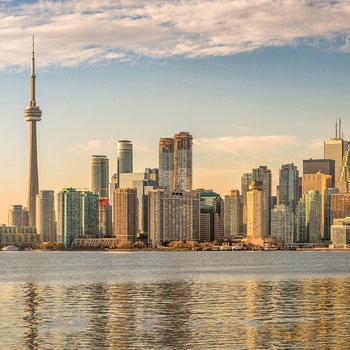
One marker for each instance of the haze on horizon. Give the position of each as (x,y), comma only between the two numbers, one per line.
(255,83)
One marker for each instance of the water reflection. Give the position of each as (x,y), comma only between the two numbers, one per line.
(284,314)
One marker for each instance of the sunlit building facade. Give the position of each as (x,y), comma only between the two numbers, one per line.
(45,215)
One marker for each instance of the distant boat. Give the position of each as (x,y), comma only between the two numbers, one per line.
(270,248)
(237,247)
(215,247)
(226,248)
(10,248)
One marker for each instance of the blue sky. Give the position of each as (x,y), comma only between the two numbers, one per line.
(255,83)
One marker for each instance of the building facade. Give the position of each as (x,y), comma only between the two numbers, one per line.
(256,210)
(289,186)
(323,166)
(125,213)
(45,216)
(100,175)
(18,216)
(173,215)
(183,161)
(282,225)
(233,214)
(166,163)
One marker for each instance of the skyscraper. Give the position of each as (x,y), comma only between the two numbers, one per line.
(282,225)
(125,211)
(100,175)
(173,215)
(45,216)
(183,161)
(256,210)
(124,157)
(324,166)
(166,163)
(233,214)
(289,186)
(32,114)
(335,149)
(263,174)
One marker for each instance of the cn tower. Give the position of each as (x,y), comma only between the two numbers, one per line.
(32,114)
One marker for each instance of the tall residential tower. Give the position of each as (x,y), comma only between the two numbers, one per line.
(32,114)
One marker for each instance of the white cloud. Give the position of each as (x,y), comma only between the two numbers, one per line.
(71,32)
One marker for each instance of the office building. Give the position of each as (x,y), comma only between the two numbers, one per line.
(319,182)
(288,189)
(246,180)
(105,227)
(124,157)
(18,216)
(166,163)
(182,161)
(143,184)
(344,176)
(340,233)
(335,149)
(327,200)
(323,166)
(125,210)
(263,174)
(233,214)
(309,218)
(211,205)
(32,114)
(89,215)
(173,216)
(256,210)
(340,206)
(100,175)
(282,225)
(45,216)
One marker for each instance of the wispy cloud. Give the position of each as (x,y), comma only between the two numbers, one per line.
(73,32)
(237,145)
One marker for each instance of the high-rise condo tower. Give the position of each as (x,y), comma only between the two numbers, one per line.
(32,114)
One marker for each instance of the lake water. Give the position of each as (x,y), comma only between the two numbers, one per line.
(175,300)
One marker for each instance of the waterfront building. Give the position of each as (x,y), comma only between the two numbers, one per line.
(100,175)
(77,215)
(166,163)
(18,216)
(32,114)
(211,205)
(319,182)
(173,215)
(288,189)
(328,193)
(233,214)
(256,211)
(182,161)
(282,225)
(335,149)
(323,166)
(309,218)
(143,184)
(89,214)
(264,175)
(105,228)
(125,213)
(340,206)
(45,216)
(340,233)
(19,236)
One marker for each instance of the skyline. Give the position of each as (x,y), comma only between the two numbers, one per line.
(254,85)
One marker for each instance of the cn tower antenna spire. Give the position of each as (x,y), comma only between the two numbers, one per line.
(32,77)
